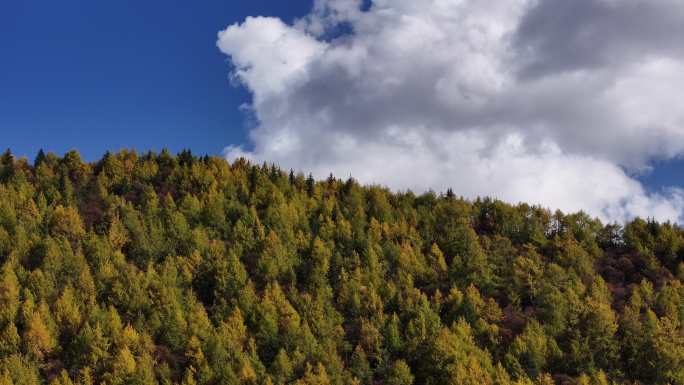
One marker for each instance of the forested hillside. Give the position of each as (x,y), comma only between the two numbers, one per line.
(156,268)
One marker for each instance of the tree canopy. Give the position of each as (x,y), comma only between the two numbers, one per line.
(176,269)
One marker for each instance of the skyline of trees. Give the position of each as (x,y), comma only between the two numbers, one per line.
(157,268)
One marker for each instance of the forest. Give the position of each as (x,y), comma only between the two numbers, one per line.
(161,268)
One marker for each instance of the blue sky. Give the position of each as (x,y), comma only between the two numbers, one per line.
(105,75)
(370,92)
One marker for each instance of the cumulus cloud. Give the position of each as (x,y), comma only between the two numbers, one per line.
(545,101)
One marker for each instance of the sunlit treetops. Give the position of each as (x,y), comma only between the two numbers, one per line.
(157,268)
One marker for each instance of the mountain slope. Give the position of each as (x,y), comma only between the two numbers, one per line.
(157,268)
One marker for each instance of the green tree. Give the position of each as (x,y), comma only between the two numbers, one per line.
(400,374)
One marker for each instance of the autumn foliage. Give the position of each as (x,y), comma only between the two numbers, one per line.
(174,269)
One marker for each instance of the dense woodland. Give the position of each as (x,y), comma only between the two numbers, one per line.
(173,269)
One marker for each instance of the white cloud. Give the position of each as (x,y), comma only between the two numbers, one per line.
(464,94)
(273,59)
